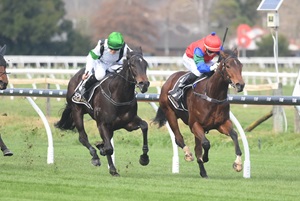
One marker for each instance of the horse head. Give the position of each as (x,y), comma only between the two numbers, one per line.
(138,68)
(231,69)
(3,74)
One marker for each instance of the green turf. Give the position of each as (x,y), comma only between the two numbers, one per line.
(27,176)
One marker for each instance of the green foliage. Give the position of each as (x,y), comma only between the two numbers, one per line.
(37,27)
(232,13)
(266,47)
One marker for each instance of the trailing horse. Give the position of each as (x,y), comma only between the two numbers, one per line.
(113,106)
(207,108)
(3,85)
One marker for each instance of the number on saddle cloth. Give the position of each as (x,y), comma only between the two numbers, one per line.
(102,50)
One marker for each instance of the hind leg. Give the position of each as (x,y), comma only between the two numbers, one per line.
(172,119)
(83,138)
(134,125)
(4,149)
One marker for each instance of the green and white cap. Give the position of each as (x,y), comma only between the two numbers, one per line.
(115,40)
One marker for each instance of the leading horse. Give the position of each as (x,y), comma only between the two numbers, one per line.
(3,85)
(207,109)
(113,106)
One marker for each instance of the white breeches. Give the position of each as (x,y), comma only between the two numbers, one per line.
(100,68)
(190,64)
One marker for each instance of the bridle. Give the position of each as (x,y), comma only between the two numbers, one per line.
(225,76)
(130,66)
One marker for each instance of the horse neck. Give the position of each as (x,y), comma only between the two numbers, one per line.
(216,86)
(124,83)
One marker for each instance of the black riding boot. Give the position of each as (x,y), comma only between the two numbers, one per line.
(86,85)
(183,81)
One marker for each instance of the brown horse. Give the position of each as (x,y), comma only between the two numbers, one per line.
(3,85)
(113,106)
(208,108)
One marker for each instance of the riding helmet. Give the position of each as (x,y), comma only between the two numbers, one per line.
(115,41)
(212,42)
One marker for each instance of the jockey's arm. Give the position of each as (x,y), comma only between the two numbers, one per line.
(199,60)
(93,55)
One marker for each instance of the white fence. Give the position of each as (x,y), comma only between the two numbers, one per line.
(53,66)
(79,61)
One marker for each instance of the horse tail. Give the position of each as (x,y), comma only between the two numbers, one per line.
(66,121)
(160,118)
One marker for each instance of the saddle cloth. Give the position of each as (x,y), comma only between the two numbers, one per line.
(181,103)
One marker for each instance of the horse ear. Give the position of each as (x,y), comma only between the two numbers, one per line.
(128,53)
(235,51)
(3,50)
(140,50)
(222,54)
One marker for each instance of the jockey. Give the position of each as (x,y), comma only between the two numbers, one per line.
(198,60)
(108,55)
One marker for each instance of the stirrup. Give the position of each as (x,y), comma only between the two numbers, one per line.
(77,97)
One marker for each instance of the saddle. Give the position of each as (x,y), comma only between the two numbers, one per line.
(76,98)
(181,103)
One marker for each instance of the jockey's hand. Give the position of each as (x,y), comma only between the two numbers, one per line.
(85,76)
(214,66)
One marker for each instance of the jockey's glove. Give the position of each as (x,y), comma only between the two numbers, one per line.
(214,66)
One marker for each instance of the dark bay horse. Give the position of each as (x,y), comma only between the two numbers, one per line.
(3,85)
(208,108)
(114,106)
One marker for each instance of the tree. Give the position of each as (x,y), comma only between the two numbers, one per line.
(35,27)
(266,47)
(131,18)
(232,13)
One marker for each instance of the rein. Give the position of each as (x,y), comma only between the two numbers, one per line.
(213,100)
(4,72)
(108,97)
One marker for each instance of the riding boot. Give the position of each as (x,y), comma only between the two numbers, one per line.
(86,85)
(183,81)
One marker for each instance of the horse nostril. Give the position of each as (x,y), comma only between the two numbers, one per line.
(240,87)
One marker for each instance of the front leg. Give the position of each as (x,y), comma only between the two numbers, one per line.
(199,140)
(227,129)
(134,125)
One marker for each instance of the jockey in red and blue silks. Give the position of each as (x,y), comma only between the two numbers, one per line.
(198,60)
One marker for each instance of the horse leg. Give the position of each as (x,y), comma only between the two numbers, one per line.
(106,148)
(200,139)
(206,147)
(172,119)
(227,129)
(4,149)
(83,138)
(134,125)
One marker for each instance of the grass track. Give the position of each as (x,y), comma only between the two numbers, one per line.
(26,176)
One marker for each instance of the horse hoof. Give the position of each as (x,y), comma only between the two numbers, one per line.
(189,157)
(237,167)
(114,173)
(204,176)
(144,160)
(96,162)
(7,152)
